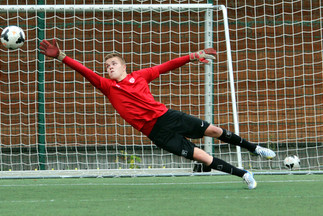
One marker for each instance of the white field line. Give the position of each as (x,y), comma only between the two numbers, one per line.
(153,183)
(105,200)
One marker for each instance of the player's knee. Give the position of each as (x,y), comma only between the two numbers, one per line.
(201,156)
(213,131)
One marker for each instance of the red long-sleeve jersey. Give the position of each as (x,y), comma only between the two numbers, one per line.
(131,97)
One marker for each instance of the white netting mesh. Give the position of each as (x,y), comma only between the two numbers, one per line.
(277,60)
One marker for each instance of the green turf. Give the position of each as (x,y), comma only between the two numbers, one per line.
(207,195)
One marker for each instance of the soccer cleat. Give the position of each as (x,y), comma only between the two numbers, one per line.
(264,152)
(248,178)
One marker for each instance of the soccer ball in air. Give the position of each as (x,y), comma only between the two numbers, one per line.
(292,162)
(12,37)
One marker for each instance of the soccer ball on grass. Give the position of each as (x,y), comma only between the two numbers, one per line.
(12,37)
(292,162)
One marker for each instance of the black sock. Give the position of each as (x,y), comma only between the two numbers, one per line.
(231,138)
(223,166)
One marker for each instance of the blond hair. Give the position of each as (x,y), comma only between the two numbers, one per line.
(111,55)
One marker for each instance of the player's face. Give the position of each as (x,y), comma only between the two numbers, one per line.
(116,68)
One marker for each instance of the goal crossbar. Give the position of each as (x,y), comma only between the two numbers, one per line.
(123,7)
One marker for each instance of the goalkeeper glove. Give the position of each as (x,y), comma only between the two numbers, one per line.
(203,55)
(51,50)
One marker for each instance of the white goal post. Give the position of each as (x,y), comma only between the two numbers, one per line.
(53,123)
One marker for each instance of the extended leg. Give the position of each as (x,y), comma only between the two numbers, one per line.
(231,138)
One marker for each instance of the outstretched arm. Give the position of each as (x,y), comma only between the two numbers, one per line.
(52,50)
(201,55)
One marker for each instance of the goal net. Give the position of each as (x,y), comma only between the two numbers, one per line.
(52,119)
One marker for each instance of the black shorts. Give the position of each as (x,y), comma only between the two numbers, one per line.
(172,129)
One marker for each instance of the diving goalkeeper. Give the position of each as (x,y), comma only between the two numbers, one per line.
(168,129)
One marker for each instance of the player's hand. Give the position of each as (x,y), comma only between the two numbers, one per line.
(203,55)
(51,49)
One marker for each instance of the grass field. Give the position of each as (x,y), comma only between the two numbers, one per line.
(195,195)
